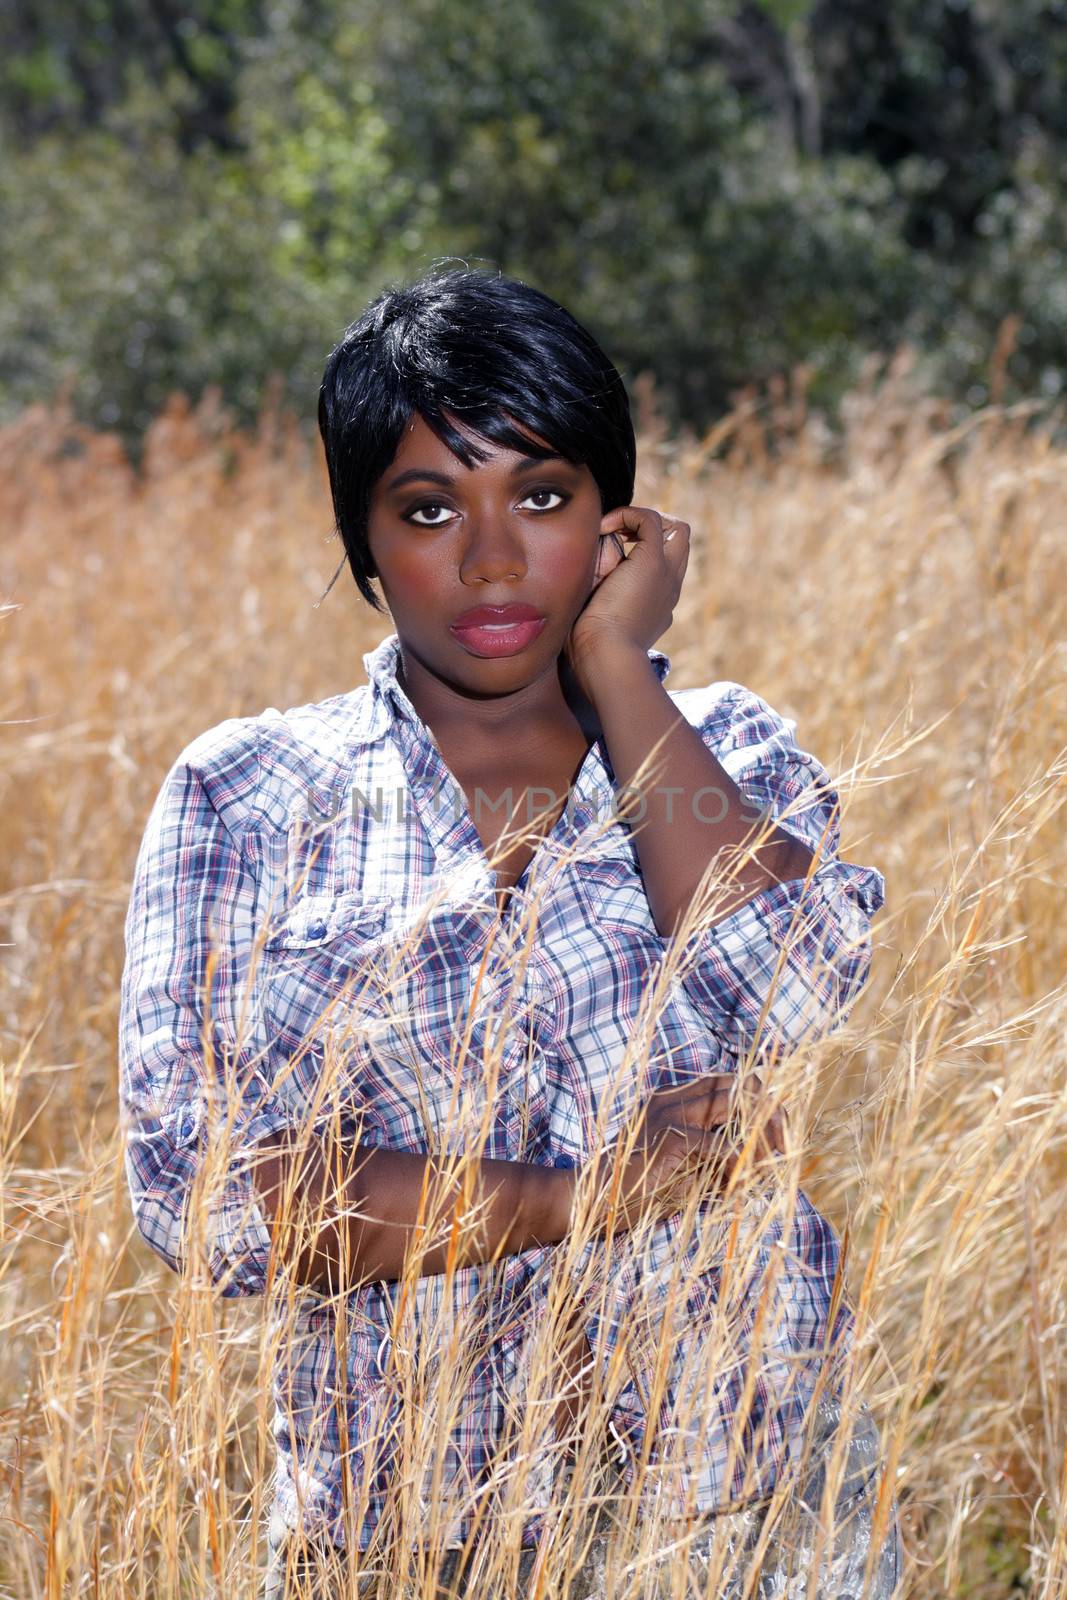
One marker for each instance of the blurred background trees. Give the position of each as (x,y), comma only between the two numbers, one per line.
(208,191)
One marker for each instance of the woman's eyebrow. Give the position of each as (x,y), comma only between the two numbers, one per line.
(425,475)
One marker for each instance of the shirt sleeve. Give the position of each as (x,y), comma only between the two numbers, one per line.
(190,1059)
(786,966)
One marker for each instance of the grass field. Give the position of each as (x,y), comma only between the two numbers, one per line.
(902,592)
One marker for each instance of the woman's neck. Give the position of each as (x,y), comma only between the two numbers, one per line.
(554,710)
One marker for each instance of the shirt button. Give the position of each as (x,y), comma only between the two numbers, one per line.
(317,930)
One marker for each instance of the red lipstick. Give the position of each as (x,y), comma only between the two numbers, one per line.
(497,630)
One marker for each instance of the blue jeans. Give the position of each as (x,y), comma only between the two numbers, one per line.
(784,1568)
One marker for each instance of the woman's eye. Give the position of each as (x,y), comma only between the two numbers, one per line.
(432,521)
(543,495)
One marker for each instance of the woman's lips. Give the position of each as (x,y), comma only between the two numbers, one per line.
(497,638)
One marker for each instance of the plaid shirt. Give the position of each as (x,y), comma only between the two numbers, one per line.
(300,850)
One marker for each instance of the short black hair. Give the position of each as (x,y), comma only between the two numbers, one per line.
(492,353)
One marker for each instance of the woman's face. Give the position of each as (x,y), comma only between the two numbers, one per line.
(510,529)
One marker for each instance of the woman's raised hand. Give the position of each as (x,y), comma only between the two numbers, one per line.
(632,600)
(679,1131)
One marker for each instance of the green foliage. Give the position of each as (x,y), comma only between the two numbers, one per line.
(208,192)
(137,271)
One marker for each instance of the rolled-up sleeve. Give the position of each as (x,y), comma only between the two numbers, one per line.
(190,1058)
(785,967)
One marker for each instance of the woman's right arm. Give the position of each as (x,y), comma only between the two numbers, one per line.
(361,1205)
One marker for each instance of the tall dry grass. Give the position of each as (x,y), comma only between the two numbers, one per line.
(902,593)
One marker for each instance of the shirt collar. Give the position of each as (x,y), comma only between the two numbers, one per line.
(388,702)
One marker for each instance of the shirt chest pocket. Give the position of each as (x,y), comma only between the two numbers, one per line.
(320,962)
(612,894)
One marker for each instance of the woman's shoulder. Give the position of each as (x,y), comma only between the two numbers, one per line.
(743,729)
(252,767)
(717,707)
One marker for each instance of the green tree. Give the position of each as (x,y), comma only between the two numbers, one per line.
(208,191)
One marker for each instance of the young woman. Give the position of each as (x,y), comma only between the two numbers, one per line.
(366,857)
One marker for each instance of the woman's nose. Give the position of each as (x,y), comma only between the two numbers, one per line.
(493,552)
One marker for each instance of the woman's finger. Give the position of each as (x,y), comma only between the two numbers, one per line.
(761,1105)
(679,532)
(715,1109)
(695,1092)
(772,1136)
(639,524)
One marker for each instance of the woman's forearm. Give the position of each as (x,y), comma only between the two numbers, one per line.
(681,827)
(363,1208)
